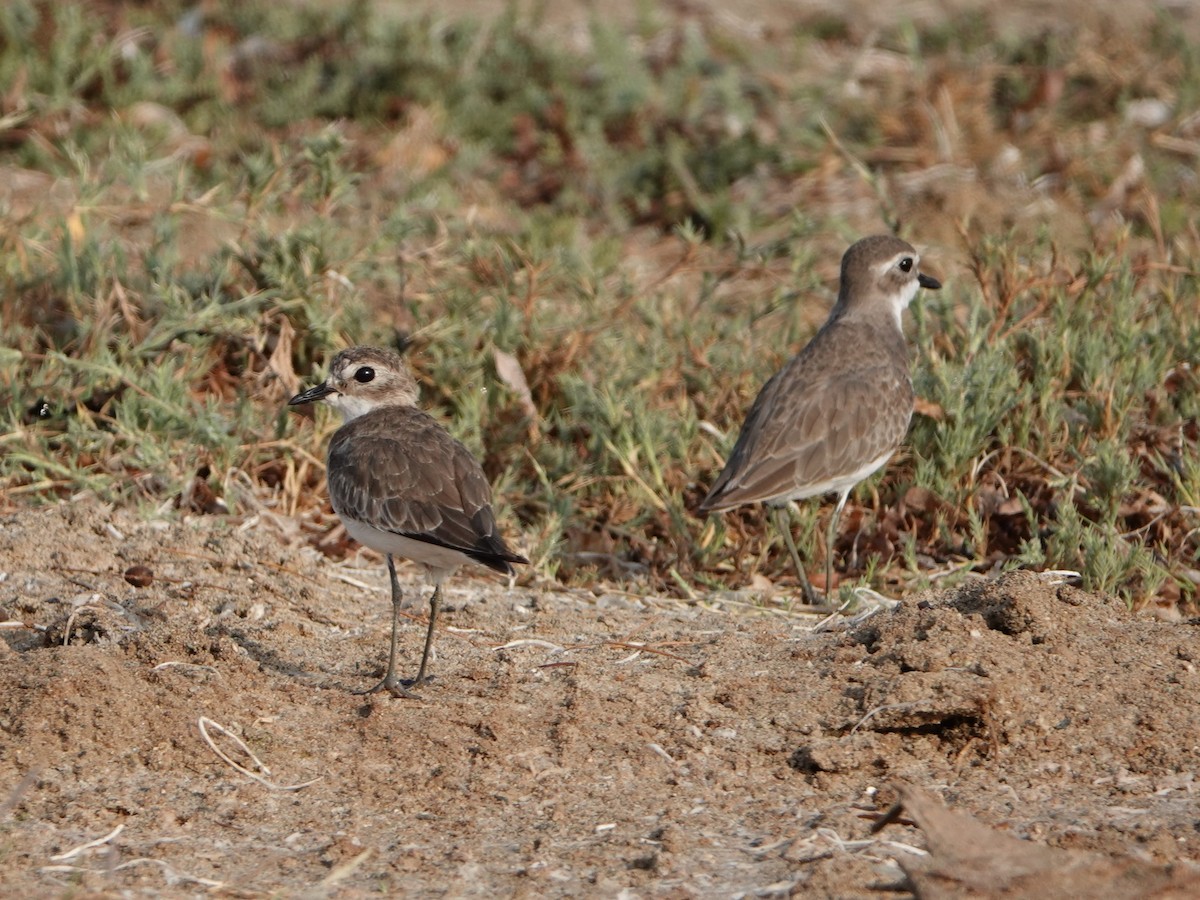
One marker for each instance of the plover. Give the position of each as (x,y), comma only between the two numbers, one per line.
(402,485)
(839,408)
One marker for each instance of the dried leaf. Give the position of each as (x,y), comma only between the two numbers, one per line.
(509,371)
(280,361)
(929,409)
(922,500)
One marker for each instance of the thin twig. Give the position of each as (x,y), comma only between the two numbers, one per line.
(879,709)
(205,723)
(345,870)
(170,663)
(886,210)
(90,845)
(173,877)
(531,642)
(647,648)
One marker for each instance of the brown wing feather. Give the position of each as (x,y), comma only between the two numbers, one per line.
(809,425)
(400,471)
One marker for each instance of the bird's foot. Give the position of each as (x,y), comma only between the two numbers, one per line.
(395,687)
(810,597)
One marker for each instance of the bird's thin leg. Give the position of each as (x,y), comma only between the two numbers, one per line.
(830,537)
(433,611)
(390,682)
(783,523)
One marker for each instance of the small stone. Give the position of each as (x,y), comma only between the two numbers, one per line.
(139,576)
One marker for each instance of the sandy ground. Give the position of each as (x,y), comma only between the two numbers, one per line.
(572,744)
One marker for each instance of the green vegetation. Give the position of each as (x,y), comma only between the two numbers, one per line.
(198,208)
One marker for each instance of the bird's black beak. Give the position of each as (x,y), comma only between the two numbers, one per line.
(314,393)
(925,281)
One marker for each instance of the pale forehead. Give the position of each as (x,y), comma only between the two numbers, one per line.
(877,255)
(887,262)
(882,247)
(349,361)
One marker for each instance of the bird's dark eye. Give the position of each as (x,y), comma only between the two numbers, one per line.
(906,264)
(364,374)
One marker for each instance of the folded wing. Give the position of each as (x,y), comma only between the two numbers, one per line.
(413,479)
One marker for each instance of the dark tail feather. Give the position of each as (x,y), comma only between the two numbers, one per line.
(492,552)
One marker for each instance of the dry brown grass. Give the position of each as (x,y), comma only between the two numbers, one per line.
(646,214)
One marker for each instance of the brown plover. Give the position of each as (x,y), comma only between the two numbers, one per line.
(402,485)
(839,408)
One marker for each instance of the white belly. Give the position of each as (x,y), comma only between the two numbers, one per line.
(840,483)
(441,561)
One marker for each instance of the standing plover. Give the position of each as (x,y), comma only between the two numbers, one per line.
(839,408)
(402,485)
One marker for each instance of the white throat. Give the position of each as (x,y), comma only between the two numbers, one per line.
(349,407)
(901,300)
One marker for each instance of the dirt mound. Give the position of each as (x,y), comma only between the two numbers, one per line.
(967,859)
(572,743)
